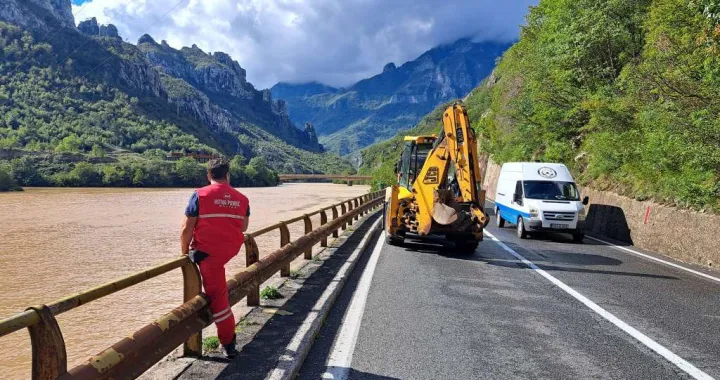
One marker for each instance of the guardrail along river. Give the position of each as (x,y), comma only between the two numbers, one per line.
(59,241)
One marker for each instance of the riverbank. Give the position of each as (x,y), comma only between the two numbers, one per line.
(140,172)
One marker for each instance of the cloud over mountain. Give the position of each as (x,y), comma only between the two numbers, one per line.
(331,41)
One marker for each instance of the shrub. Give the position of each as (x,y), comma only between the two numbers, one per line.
(270,293)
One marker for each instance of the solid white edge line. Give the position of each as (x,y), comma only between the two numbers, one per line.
(701,274)
(642,338)
(340,358)
(318,312)
(650,257)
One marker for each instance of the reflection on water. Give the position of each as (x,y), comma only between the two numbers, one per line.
(56,242)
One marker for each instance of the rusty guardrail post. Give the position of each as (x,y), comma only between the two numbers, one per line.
(251,257)
(344,210)
(308,229)
(323,221)
(335,216)
(284,240)
(192,286)
(49,358)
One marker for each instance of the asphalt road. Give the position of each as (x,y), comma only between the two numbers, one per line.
(432,313)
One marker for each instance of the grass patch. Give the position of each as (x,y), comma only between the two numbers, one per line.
(211,343)
(240,327)
(294,273)
(245,323)
(270,293)
(317,259)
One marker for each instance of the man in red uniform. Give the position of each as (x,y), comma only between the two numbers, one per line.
(212,234)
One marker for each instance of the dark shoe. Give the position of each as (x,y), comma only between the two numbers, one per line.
(230,350)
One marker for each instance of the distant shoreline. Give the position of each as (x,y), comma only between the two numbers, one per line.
(53,188)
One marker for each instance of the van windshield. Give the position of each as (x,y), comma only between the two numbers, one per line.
(551,190)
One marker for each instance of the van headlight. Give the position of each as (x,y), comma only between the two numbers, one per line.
(534,212)
(581,214)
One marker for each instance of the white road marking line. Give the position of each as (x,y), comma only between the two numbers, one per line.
(340,358)
(701,274)
(318,313)
(642,338)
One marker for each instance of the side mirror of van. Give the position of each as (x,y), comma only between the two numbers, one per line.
(585,200)
(517,198)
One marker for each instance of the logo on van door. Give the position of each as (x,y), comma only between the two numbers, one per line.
(547,172)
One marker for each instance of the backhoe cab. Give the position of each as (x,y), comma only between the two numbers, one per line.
(438,190)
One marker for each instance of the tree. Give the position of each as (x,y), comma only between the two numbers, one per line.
(7,182)
(117,175)
(26,172)
(238,176)
(263,176)
(189,172)
(97,151)
(70,143)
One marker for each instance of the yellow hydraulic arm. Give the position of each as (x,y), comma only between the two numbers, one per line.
(456,154)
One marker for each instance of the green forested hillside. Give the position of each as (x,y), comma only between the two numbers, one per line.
(626,92)
(81,110)
(46,106)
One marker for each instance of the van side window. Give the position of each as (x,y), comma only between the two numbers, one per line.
(519,188)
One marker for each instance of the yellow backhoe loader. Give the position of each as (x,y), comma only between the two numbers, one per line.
(438,190)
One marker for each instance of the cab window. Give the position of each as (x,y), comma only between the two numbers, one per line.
(551,190)
(519,188)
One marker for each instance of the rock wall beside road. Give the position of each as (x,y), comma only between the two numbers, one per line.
(681,234)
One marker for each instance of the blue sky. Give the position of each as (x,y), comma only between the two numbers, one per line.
(336,42)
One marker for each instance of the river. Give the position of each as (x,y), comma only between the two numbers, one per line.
(59,241)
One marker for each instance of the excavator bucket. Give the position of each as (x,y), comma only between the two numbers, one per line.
(444,214)
(445,209)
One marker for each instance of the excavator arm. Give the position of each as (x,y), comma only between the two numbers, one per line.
(450,178)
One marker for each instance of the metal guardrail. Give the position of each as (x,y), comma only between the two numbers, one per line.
(133,355)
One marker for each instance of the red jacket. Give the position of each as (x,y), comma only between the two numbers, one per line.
(222,211)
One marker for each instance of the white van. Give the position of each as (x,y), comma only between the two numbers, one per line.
(538,196)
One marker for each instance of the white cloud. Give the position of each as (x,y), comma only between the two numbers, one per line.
(332,41)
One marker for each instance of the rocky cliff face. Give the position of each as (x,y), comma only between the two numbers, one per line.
(217,73)
(197,100)
(377,108)
(214,88)
(55,16)
(38,15)
(91,28)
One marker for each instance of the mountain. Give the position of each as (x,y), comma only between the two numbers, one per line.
(634,111)
(213,87)
(84,91)
(376,108)
(38,15)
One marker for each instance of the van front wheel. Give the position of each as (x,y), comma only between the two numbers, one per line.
(521,231)
(499,221)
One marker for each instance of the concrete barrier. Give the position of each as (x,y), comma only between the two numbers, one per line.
(680,234)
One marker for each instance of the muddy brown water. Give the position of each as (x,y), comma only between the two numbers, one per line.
(56,242)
